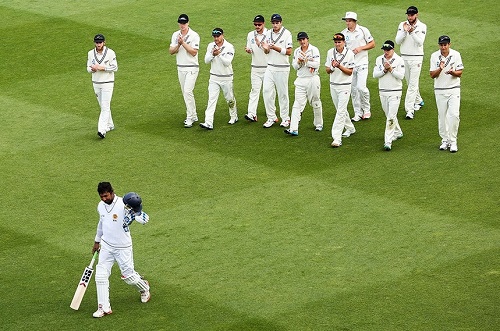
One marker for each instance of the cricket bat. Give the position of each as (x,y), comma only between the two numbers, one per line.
(82,285)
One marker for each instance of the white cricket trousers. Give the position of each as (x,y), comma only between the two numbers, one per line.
(276,82)
(307,89)
(107,257)
(390,105)
(448,106)
(359,91)
(412,76)
(340,98)
(214,88)
(256,79)
(104,93)
(187,79)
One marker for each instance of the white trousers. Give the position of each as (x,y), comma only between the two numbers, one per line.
(340,98)
(276,82)
(187,79)
(214,88)
(412,76)
(390,105)
(307,89)
(104,93)
(359,91)
(448,106)
(107,257)
(256,79)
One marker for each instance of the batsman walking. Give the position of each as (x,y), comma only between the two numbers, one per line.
(114,242)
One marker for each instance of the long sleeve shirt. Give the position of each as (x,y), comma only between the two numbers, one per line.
(221,65)
(108,59)
(412,43)
(309,68)
(390,82)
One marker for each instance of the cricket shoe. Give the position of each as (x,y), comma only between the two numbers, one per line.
(101,135)
(269,123)
(453,148)
(409,116)
(444,146)
(101,313)
(417,106)
(290,132)
(366,116)
(251,118)
(388,147)
(233,120)
(206,126)
(336,144)
(319,128)
(145,295)
(348,133)
(397,137)
(356,118)
(285,123)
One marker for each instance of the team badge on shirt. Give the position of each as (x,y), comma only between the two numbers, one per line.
(115,217)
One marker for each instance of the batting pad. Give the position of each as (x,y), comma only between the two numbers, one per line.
(137,281)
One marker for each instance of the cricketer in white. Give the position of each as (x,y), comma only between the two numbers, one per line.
(114,243)
(390,71)
(102,64)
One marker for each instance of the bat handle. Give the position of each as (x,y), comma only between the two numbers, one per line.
(93,259)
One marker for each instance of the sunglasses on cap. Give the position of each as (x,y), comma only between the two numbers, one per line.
(258,24)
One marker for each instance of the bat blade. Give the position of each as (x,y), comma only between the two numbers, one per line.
(83,284)
(81,288)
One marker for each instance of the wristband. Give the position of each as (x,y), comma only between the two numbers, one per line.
(283,51)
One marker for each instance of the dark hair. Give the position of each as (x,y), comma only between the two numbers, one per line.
(104,187)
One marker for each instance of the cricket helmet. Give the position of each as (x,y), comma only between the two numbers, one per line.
(133,200)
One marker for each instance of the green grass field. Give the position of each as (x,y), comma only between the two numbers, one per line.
(250,229)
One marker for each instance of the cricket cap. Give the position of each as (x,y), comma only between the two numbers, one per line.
(276,18)
(339,37)
(259,18)
(350,15)
(217,32)
(412,10)
(183,19)
(302,35)
(444,40)
(99,38)
(388,45)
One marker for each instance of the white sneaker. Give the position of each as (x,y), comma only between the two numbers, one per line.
(348,133)
(397,137)
(206,126)
(336,144)
(453,147)
(251,118)
(233,120)
(388,147)
(319,128)
(146,295)
(101,313)
(269,123)
(290,132)
(366,115)
(409,116)
(356,118)
(285,123)
(188,123)
(417,106)
(444,146)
